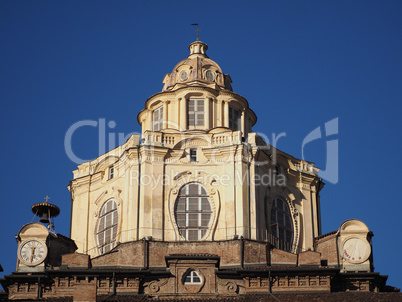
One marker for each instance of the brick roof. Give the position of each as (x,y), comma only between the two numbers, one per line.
(325,235)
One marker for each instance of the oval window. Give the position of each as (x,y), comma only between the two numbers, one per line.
(183,75)
(210,75)
(193,212)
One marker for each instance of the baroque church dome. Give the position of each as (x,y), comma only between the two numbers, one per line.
(197,70)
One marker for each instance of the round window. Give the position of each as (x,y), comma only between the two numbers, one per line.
(210,75)
(183,75)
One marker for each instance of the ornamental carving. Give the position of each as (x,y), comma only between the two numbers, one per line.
(155,286)
(229,286)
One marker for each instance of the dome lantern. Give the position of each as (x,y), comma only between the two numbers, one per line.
(197,70)
(198,48)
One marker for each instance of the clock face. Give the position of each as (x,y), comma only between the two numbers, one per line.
(356,250)
(32,252)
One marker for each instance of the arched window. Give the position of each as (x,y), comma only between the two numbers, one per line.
(107,227)
(281,225)
(193,211)
(192,277)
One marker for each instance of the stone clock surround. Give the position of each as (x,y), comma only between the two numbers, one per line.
(32,231)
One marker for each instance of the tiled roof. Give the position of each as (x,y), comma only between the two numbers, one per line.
(325,235)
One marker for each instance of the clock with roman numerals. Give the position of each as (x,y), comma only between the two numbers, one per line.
(32,252)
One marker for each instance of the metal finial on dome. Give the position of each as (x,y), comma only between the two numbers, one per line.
(46,211)
(197,30)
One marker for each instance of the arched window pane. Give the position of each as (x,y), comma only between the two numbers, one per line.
(107,227)
(192,277)
(193,211)
(281,225)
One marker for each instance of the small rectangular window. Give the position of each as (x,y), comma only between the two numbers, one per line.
(195,112)
(111,172)
(157,119)
(234,119)
(193,155)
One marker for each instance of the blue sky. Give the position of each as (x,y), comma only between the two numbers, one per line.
(298,63)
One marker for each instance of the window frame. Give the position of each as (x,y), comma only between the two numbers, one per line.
(234,124)
(105,245)
(157,119)
(195,117)
(190,219)
(192,274)
(193,155)
(111,172)
(285,230)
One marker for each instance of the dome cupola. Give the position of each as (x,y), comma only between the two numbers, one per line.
(197,70)
(197,96)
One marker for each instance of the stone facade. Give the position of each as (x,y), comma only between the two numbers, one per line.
(242,174)
(197,206)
